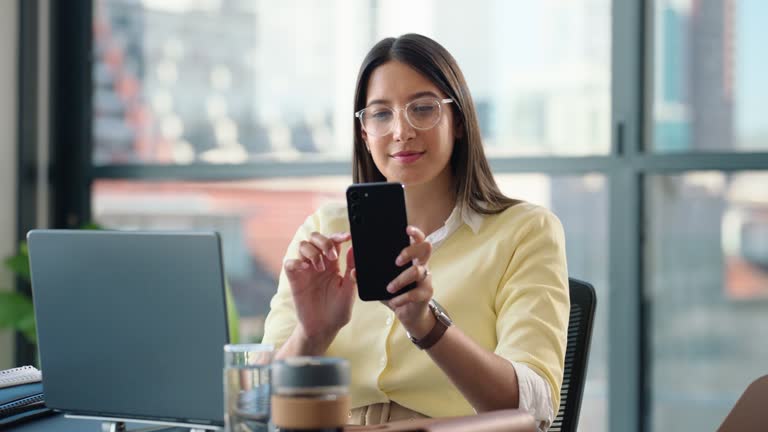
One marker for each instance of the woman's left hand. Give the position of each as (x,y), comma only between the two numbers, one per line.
(411,308)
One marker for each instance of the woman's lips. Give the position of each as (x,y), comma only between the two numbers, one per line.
(407,157)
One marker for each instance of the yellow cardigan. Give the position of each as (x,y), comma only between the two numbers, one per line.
(505,286)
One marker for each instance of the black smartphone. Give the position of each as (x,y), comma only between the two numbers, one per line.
(377,221)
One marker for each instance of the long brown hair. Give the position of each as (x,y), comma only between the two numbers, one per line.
(473,181)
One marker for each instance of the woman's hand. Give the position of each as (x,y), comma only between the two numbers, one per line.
(322,295)
(411,308)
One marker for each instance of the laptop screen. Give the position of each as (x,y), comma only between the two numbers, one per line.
(131,324)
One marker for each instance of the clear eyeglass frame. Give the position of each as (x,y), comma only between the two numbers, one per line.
(361,115)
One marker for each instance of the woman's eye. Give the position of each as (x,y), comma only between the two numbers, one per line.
(423,109)
(381,115)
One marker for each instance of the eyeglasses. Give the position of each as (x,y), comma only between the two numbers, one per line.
(421,114)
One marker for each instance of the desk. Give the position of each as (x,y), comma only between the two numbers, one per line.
(59,423)
(509,420)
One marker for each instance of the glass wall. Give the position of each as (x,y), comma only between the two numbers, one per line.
(230,81)
(709,72)
(707,283)
(707,251)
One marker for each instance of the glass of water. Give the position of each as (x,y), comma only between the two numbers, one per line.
(246,387)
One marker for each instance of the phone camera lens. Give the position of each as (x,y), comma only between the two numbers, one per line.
(354,196)
(356,219)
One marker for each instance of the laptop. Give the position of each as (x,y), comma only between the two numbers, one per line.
(131,325)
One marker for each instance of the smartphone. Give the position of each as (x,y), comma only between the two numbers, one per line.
(377,221)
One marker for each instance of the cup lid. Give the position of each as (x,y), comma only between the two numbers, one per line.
(307,372)
(240,348)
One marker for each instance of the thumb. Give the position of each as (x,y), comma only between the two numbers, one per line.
(350,275)
(338,239)
(350,258)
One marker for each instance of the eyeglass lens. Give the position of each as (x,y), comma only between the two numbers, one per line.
(421,114)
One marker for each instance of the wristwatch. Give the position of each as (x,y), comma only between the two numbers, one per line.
(442,322)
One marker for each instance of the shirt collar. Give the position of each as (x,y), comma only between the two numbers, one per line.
(458,217)
(465,215)
(472,218)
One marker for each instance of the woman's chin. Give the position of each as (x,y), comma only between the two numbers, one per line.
(407,180)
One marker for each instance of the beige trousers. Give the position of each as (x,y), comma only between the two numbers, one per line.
(382,413)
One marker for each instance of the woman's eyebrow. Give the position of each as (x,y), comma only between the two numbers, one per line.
(422,94)
(410,98)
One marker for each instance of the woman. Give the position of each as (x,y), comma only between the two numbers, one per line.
(494,264)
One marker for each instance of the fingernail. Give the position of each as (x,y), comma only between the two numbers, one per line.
(332,255)
(391,287)
(399,261)
(321,266)
(339,236)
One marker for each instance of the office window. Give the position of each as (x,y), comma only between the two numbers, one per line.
(707,281)
(709,75)
(177,82)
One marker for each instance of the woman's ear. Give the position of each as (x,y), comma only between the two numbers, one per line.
(365,140)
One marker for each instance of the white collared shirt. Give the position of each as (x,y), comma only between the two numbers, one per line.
(534,391)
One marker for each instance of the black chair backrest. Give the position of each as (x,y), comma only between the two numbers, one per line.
(583,302)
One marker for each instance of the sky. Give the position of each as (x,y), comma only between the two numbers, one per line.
(751,67)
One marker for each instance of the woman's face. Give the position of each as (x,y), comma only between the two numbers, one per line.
(408,155)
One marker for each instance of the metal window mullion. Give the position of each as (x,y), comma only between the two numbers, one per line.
(552,165)
(71,104)
(222,172)
(626,368)
(26,194)
(678,163)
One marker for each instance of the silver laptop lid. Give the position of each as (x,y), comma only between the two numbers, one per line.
(131,324)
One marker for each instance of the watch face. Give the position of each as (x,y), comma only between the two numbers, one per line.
(439,312)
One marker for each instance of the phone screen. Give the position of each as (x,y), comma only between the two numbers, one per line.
(377,220)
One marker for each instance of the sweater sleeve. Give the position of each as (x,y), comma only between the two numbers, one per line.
(282,319)
(532,302)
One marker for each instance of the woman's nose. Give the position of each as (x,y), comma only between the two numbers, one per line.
(402,129)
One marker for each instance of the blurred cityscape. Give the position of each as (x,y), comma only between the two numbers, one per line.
(707,232)
(232,81)
(228,81)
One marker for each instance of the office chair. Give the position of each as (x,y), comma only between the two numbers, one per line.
(749,414)
(583,302)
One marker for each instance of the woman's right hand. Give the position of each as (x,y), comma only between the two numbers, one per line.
(322,295)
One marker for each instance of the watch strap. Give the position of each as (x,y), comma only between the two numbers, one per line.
(434,335)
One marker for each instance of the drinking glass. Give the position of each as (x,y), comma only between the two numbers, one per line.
(247,387)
